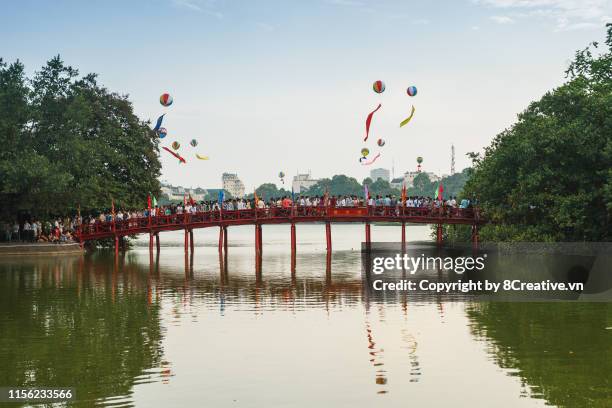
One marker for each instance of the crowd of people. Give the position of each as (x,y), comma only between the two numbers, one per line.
(56,230)
(62,230)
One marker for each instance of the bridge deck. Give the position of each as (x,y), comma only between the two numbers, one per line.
(155,224)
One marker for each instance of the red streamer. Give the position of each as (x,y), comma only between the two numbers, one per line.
(369,120)
(174,154)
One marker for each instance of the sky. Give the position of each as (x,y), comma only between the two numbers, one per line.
(270,86)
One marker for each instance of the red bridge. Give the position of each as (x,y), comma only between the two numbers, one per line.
(153,225)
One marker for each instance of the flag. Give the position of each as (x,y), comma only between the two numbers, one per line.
(154,202)
(292,195)
(185,199)
(440,192)
(256,198)
(404,193)
(149,201)
(221,196)
(366,193)
(191,201)
(326,197)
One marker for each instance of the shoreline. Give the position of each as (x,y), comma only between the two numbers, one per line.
(40,249)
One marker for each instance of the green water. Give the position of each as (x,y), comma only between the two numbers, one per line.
(177,331)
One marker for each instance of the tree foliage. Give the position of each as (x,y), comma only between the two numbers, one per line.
(68,141)
(549,177)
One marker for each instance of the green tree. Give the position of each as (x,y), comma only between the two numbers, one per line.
(337,185)
(69,142)
(549,177)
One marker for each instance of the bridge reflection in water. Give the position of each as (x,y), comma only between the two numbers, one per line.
(153,225)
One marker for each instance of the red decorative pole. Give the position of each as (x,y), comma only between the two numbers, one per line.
(368,235)
(439,234)
(328,238)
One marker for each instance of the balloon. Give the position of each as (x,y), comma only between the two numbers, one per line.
(378,86)
(419,160)
(412,91)
(380,142)
(365,151)
(162,132)
(176,145)
(166,99)
(281,175)
(193,142)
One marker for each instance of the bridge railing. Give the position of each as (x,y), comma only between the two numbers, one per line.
(142,224)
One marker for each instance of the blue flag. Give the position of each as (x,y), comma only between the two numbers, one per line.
(158,124)
(221,196)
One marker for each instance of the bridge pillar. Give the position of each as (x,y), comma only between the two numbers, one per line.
(258,248)
(368,236)
(293,247)
(225,240)
(116,246)
(157,242)
(186,240)
(328,238)
(191,244)
(220,241)
(403,236)
(439,234)
(151,242)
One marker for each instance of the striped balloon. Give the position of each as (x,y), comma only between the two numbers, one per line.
(176,145)
(378,86)
(412,91)
(162,132)
(165,99)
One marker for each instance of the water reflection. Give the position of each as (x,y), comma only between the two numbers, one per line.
(134,330)
(73,321)
(562,352)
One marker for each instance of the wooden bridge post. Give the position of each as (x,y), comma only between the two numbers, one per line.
(328,237)
(191,244)
(403,236)
(186,240)
(220,240)
(439,234)
(293,247)
(225,240)
(157,242)
(258,248)
(368,236)
(151,242)
(116,245)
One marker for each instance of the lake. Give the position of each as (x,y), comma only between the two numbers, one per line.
(175,331)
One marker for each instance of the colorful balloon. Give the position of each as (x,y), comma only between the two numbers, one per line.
(281,175)
(165,99)
(193,142)
(419,160)
(365,151)
(412,91)
(380,142)
(378,86)
(162,132)
(176,145)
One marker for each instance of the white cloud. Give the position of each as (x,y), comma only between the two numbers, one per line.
(502,19)
(201,6)
(475,28)
(563,14)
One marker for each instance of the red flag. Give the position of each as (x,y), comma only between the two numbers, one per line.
(149,201)
(191,201)
(404,193)
(185,199)
(440,192)
(113,207)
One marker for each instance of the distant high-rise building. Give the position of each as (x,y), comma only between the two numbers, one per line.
(380,173)
(233,185)
(302,182)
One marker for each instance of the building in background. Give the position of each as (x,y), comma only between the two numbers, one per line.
(177,193)
(397,182)
(302,182)
(380,173)
(233,185)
